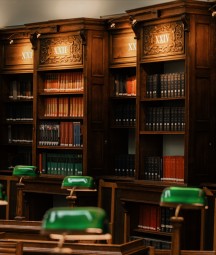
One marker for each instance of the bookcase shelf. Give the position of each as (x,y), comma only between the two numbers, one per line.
(67,67)
(122,101)
(16,99)
(132,74)
(149,100)
(172,128)
(60,122)
(70,80)
(162,132)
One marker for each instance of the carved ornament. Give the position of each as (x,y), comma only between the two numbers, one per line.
(163,39)
(61,50)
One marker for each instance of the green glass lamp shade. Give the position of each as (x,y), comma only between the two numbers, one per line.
(23,170)
(76,220)
(79,182)
(187,197)
(3,200)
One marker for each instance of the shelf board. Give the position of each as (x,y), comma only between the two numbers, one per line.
(59,147)
(162,132)
(156,99)
(153,232)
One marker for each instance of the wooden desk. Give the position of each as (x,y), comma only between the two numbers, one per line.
(210,219)
(27,230)
(38,247)
(40,187)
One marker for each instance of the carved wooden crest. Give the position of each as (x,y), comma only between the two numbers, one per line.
(163,39)
(61,50)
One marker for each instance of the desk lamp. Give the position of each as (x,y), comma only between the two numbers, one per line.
(181,198)
(77,183)
(3,200)
(23,170)
(76,224)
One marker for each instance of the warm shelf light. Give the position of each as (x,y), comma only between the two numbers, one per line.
(10,38)
(213,10)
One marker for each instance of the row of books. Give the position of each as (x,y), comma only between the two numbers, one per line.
(155,218)
(23,156)
(64,82)
(166,168)
(63,107)
(19,112)
(19,134)
(167,118)
(157,243)
(124,85)
(61,164)
(165,85)
(20,89)
(124,114)
(125,165)
(60,133)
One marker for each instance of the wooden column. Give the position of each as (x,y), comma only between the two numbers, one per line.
(19,205)
(177,223)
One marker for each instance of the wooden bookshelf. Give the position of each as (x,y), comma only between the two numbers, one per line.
(141,88)
(70,81)
(52,69)
(122,98)
(173,79)
(16,98)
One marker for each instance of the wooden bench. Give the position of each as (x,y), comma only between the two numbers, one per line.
(22,229)
(41,247)
(28,233)
(11,248)
(186,252)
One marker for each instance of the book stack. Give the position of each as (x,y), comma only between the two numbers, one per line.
(165,85)
(64,82)
(124,114)
(63,133)
(155,218)
(63,107)
(19,112)
(166,168)
(20,89)
(165,118)
(124,85)
(125,165)
(60,164)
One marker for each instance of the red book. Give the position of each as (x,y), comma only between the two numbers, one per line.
(129,86)
(172,169)
(166,166)
(70,134)
(146,216)
(180,169)
(153,217)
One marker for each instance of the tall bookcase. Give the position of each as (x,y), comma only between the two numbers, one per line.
(121,113)
(16,98)
(122,99)
(70,96)
(54,106)
(175,91)
(175,113)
